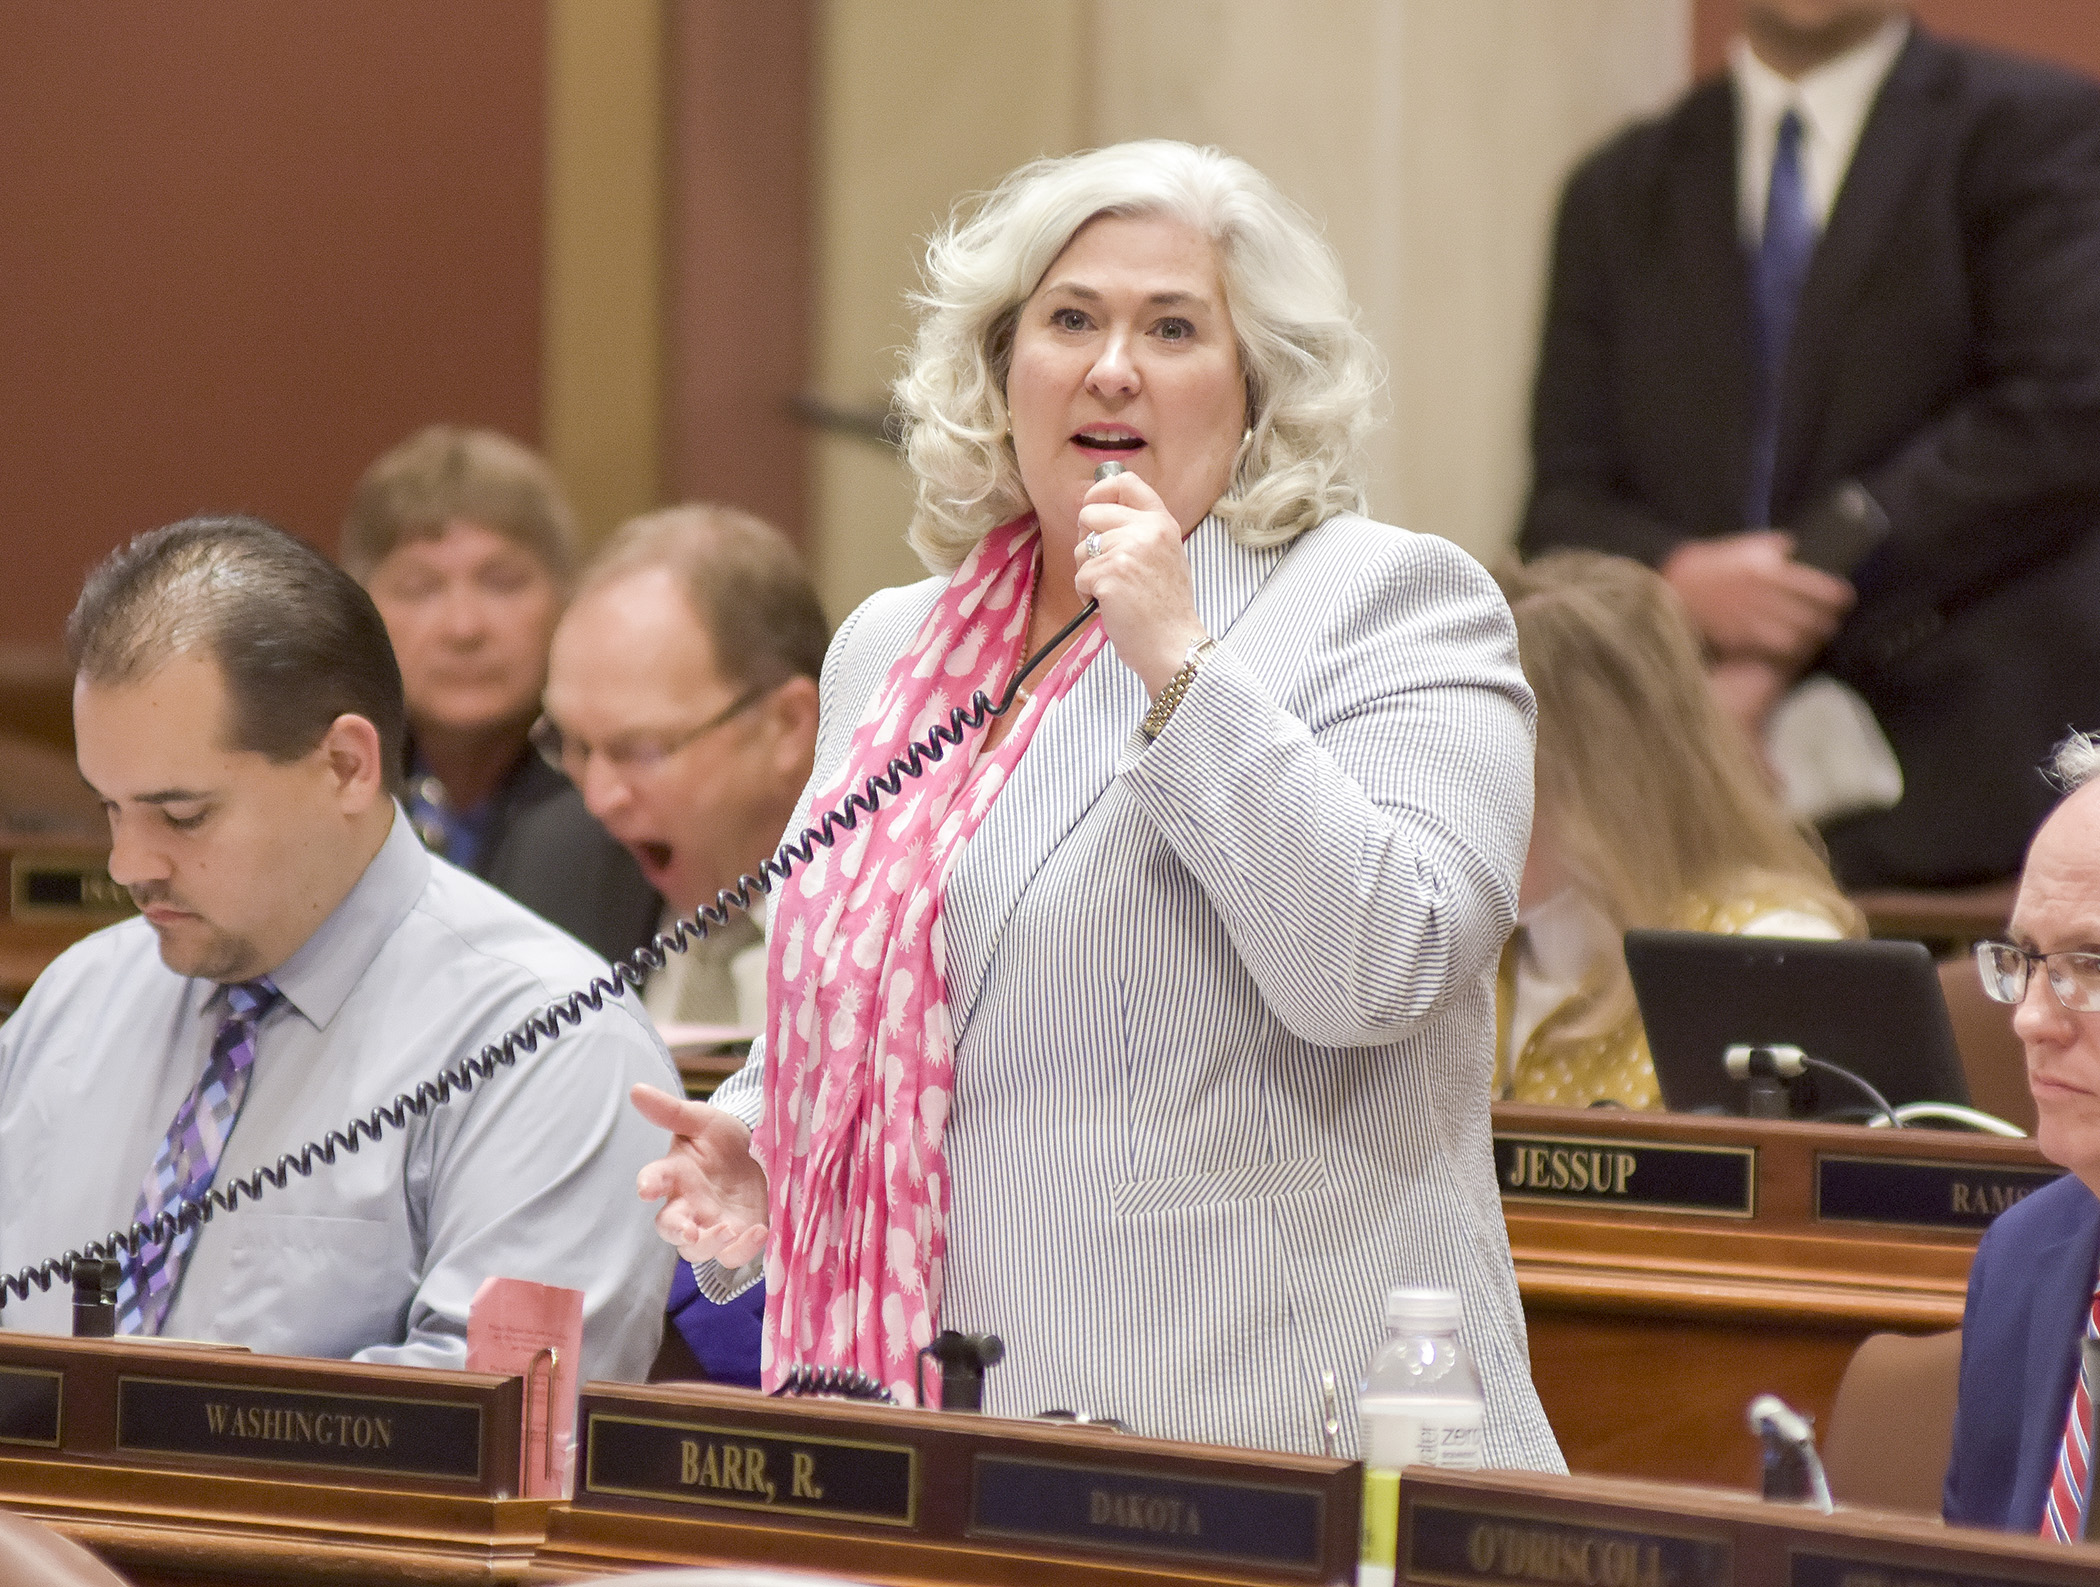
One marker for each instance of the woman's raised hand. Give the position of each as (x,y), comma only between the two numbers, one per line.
(1140,577)
(712,1189)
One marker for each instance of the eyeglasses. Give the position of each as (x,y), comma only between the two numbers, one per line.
(2073,977)
(638,754)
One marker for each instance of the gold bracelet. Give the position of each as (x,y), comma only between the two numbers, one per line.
(1177,686)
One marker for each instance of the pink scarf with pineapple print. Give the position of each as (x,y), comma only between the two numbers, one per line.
(859,1056)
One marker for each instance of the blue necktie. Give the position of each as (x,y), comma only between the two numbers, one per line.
(1776,277)
(188,1159)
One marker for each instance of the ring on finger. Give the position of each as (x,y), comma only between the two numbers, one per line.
(1093,546)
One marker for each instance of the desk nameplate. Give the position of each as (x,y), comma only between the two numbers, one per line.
(1492,1545)
(197,1418)
(819,1477)
(1823,1568)
(64,887)
(32,1406)
(1619,1171)
(1919,1193)
(1122,1510)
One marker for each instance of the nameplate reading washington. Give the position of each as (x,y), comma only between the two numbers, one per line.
(1603,1172)
(1076,1505)
(787,1474)
(294,1427)
(1464,1547)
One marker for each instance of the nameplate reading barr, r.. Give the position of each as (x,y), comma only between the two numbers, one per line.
(346,1432)
(789,1474)
(1609,1172)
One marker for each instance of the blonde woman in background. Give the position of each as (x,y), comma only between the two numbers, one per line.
(1651,811)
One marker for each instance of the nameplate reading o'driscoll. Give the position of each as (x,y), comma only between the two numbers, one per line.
(1835,1570)
(345,1432)
(32,1404)
(836,1479)
(1921,1194)
(1139,1512)
(1493,1548)
(1599,1171)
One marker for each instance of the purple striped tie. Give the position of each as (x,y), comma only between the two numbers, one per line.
(188,1159)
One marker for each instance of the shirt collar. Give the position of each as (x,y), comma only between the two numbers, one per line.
(1833,98)
(319,977)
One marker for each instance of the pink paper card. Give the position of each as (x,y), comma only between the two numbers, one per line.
(534,1331)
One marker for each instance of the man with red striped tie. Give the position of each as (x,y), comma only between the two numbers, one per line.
(2023,1457)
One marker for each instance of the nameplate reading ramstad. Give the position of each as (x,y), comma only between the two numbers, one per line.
(1836,1570)
(1493,1548)
(295,1427)
(1127,1511)
(1920,1194)
(32,1406)
(788,1474)
(1601,1171)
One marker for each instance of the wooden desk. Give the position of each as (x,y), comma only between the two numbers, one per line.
(178,1463)
(1652,1329)
(1947,920)
(1512,1529)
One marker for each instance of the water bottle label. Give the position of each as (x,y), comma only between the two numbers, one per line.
(1379,1556)
(1447,1436)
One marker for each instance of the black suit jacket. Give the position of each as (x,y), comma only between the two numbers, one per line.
(1946,355)
(549,853)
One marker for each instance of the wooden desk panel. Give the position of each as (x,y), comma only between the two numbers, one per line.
(1651,1331)
(180,1529)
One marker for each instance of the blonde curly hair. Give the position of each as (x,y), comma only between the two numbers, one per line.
(1314,381)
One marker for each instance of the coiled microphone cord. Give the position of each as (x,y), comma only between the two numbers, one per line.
(546,1023)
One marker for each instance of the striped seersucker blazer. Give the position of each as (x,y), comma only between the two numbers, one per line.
(1224,1004)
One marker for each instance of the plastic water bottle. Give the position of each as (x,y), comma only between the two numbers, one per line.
(1421,1406)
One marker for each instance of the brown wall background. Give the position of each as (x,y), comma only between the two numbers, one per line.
(246,246)
(2059,30)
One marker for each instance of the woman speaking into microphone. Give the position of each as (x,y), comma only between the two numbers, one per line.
(1152,1029)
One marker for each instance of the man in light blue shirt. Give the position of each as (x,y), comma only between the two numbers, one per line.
(299,961)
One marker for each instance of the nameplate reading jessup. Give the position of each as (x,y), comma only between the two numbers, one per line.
(1467,1547)
(1603,1172)
(837,1479)
(1923,1195)
(1835,1570)
(32,1406)
(344,1432)
(1124,1511)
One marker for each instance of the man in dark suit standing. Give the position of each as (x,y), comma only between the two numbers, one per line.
(1823,346)
(2017,1462)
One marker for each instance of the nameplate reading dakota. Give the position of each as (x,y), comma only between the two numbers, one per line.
(1487,1548)
(690,1463)
(1137,1512)
(31,1406)
(1834,1570)
(1604,1172)
(1923,1195)
(347,1432)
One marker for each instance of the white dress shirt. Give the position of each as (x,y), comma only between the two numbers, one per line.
(1833,101)
(377,1257)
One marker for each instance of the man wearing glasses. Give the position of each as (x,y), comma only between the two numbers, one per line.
(682,701)
(2022,1456)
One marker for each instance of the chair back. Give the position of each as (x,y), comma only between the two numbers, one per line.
(1991,1055)
(1892,1428)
